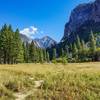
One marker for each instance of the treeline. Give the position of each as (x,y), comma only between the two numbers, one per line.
(33,54)
(81,51)
(85,51)
(12,50)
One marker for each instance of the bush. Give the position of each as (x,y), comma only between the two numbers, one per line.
(64,60)
(54,61)
(60,60)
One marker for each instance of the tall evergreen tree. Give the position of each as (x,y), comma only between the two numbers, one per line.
(3,44)
(75,52)
(47,57)
(64,56)
(10,45)
(92,45)
(78,43)
(54,54)
(18,48)
(92,42)
(27,53)
(31,53)
(62,53)
(41,60)
(83,45)
(44,55)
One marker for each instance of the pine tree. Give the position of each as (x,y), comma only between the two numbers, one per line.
(83,45)
(27,53)
(41,60)
(35,51)
(3,44)
(37,54)
(31,53)
(78,43)
(10,45)
(44,55)
(24,53)
(54,54)
(62,53)
(82,55)
(47,57)
(18,48)
(92,43)
(75,52)
(64,56)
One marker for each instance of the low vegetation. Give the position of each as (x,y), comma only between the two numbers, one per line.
(60,82)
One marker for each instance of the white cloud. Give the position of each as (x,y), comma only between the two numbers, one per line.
(30,31)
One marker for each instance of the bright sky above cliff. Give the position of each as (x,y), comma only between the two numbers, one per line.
(38,18)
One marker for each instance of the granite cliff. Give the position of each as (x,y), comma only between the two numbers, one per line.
(84,19)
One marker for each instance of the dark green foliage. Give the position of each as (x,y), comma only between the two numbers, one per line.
(92,43)
(10,46)
(64,56)
(18,48)
(92,46)
(83,52)
(54,54)
(74,52)
(78,44)
(44,55)
(33,53)
(41,59)
(47,57)
(12,50)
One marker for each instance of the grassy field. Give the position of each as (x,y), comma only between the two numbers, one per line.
(59,82)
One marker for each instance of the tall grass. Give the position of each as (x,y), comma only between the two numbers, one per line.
(61,82)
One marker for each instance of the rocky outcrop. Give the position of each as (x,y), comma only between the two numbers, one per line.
(45,42)
(25,39)
(83,19)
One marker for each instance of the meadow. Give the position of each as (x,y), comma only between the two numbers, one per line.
(79,81)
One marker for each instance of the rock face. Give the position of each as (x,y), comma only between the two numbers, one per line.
(83,19)
(25,39)
(45,42)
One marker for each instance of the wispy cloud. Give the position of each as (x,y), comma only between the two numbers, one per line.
(30,31)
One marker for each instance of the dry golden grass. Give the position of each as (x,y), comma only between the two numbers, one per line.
(43,68)
(75,81)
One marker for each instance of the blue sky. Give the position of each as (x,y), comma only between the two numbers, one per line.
(38,17)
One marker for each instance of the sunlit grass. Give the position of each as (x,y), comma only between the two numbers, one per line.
(79,81)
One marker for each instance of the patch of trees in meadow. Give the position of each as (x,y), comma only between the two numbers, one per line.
(13,51)
(81,51)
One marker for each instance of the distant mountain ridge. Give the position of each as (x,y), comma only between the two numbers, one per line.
(25,39)
(45,42)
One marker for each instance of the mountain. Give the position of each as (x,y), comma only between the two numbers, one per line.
(25,39)
(45,42)
(84,19)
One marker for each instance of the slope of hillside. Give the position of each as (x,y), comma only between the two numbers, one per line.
(83,19)
(45,42)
